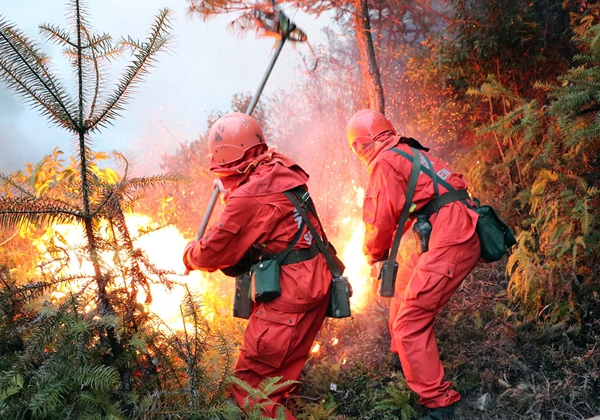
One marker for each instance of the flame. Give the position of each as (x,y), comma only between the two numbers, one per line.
(315,348)
(163,247)
(64,246)
(357,270)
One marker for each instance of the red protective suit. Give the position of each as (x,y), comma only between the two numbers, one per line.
(426,283)
(280,333)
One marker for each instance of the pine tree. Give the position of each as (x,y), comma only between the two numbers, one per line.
(90,330)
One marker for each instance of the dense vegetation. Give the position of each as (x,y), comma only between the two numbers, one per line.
(505,90)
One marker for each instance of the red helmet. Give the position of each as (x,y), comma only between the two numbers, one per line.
(364,126)
(231,135)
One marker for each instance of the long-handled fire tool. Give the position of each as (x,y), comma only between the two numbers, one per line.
(279,24)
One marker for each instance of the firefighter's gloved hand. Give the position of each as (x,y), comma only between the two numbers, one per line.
(218,183)
(188,248)
(376,269)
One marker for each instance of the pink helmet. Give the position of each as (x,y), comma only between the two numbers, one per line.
(231,136)
(364,126)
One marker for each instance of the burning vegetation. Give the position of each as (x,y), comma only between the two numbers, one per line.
(98,320)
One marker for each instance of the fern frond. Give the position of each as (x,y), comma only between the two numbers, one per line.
(271,385)
(100,377)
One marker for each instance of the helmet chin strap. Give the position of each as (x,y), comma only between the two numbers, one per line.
(252,164)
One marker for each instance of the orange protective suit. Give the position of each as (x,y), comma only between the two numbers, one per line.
(280,333)
(427,281)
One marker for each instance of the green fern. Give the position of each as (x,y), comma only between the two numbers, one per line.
(258,397)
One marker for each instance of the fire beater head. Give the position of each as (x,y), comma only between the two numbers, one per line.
(364,126)
(231,136)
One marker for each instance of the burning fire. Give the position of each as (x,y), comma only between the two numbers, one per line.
(64,244)
(357,270)
(163,247)
(317,345)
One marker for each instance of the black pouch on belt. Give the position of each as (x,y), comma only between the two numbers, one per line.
(339,298)
(387,275)
(422,229)
(242,303)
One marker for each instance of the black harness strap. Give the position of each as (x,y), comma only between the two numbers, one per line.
(296,255)
(410,191)
(437,203)
(452,195)
(290,256)
(298,198)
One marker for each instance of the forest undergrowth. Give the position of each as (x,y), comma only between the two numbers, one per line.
(505,366)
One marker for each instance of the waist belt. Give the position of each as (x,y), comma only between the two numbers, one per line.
(296,255)
(437,203)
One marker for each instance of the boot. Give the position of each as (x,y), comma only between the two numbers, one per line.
(441,413)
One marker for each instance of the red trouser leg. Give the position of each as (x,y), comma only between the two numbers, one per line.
(435,278)
(405,271)
(276,344)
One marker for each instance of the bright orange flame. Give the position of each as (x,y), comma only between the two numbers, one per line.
(357,270)
(334,341)
(163,247)
(315,348)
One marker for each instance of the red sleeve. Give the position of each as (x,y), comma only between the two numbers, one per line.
(383,205)
(242,224)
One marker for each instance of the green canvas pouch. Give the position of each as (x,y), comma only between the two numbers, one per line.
(265,281)
(339,298)
(495,236)
(265,274)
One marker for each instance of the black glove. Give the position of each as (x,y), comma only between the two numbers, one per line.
(243,266)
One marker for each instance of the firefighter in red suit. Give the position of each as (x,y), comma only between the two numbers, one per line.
(258,217)
(427,281)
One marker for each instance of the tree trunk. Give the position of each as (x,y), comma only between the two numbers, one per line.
(368,62)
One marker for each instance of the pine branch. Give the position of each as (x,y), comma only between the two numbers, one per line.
(20,210)
(56,35)
(144,59)
(25,70)
(96,68)
(125,192)
(13,185)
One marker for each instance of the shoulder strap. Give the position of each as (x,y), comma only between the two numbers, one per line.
(410,191)
(281,256)
(297,202)
(434,176)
